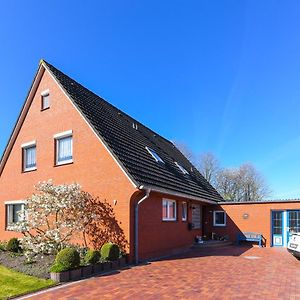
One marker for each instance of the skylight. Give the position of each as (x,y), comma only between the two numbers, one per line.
(182,169)
(155,155)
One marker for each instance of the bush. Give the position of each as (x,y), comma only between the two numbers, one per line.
(110,251)
(3,246)
(67,259)
(57,268)
(92,256)
(13,245)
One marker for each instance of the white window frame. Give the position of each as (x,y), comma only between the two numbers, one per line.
(181,168)
(214,218)
(168,201)
(8,204)
(57,137)
(154,154)
(44,94)
(24,147)
(184,204)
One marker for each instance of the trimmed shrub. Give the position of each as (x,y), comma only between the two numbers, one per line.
(110,251)
(13,245)
(67,259)
(57,268)
(92,256)
(3,246)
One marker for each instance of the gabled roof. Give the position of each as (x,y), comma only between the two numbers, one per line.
(127,139)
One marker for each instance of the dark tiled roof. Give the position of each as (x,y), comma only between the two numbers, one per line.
(128,144)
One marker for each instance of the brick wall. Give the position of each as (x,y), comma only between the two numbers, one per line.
(259,218)
(93,168)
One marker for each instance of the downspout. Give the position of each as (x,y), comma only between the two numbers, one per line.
(136,225)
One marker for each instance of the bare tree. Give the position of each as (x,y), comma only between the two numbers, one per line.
(209,167)
(242,184)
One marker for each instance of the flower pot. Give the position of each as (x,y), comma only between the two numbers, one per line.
(75,274)
(106,266)
(61,276)
(87,271)
(98,268)
(122,262)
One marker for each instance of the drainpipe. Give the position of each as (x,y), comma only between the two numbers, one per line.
(136,225)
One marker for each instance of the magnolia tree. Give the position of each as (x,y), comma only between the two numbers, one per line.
(54,214)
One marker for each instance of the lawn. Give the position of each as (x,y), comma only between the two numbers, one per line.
(13,283)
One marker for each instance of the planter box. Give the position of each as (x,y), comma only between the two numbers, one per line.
(122,262)
(98,268)
(115,265)
(60,277)
(87,270)
(75,274)
(106,266)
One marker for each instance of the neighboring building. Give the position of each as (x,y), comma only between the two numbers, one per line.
(276,220)
(68,134)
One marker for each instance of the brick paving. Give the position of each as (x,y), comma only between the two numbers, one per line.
(219,273)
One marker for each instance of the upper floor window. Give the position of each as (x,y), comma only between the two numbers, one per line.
(29,156)
(15,212)
(155,155)
(219,218)
(64,147)
(45,99)
(181,168)
(168,210)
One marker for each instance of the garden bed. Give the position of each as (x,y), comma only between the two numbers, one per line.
(89,270)
(39,267)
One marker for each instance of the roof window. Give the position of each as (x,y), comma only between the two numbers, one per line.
(155,155)
(181,168)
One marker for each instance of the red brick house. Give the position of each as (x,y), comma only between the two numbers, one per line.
(68,134)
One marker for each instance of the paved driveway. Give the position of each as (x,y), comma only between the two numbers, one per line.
(223,273)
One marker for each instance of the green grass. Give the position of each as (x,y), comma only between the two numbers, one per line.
(13,283)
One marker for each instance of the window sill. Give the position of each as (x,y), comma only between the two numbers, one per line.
(219,225)
(169,220)
(42,109)
(29,170)
(63,163)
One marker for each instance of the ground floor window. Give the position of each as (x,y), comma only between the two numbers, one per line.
(14,213)
(184,211)
(168,210)
(219,218)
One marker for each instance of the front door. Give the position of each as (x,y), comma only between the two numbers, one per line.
(293,225)
(196,216)
(277,228)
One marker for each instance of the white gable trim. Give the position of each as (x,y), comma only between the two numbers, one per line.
(96,134)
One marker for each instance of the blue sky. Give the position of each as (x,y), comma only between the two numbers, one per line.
(220,76)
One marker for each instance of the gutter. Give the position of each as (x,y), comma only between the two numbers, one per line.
(136,224)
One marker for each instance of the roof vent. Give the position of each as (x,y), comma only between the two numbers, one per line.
(135,126)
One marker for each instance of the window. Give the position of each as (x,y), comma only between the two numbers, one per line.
(29,156)
(14,212)
(155,155)
(45,99)
(64,148)
(181,168)
(168,210)
(219,218)
(184,211)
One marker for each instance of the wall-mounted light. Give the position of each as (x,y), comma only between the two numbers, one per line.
(245,216)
